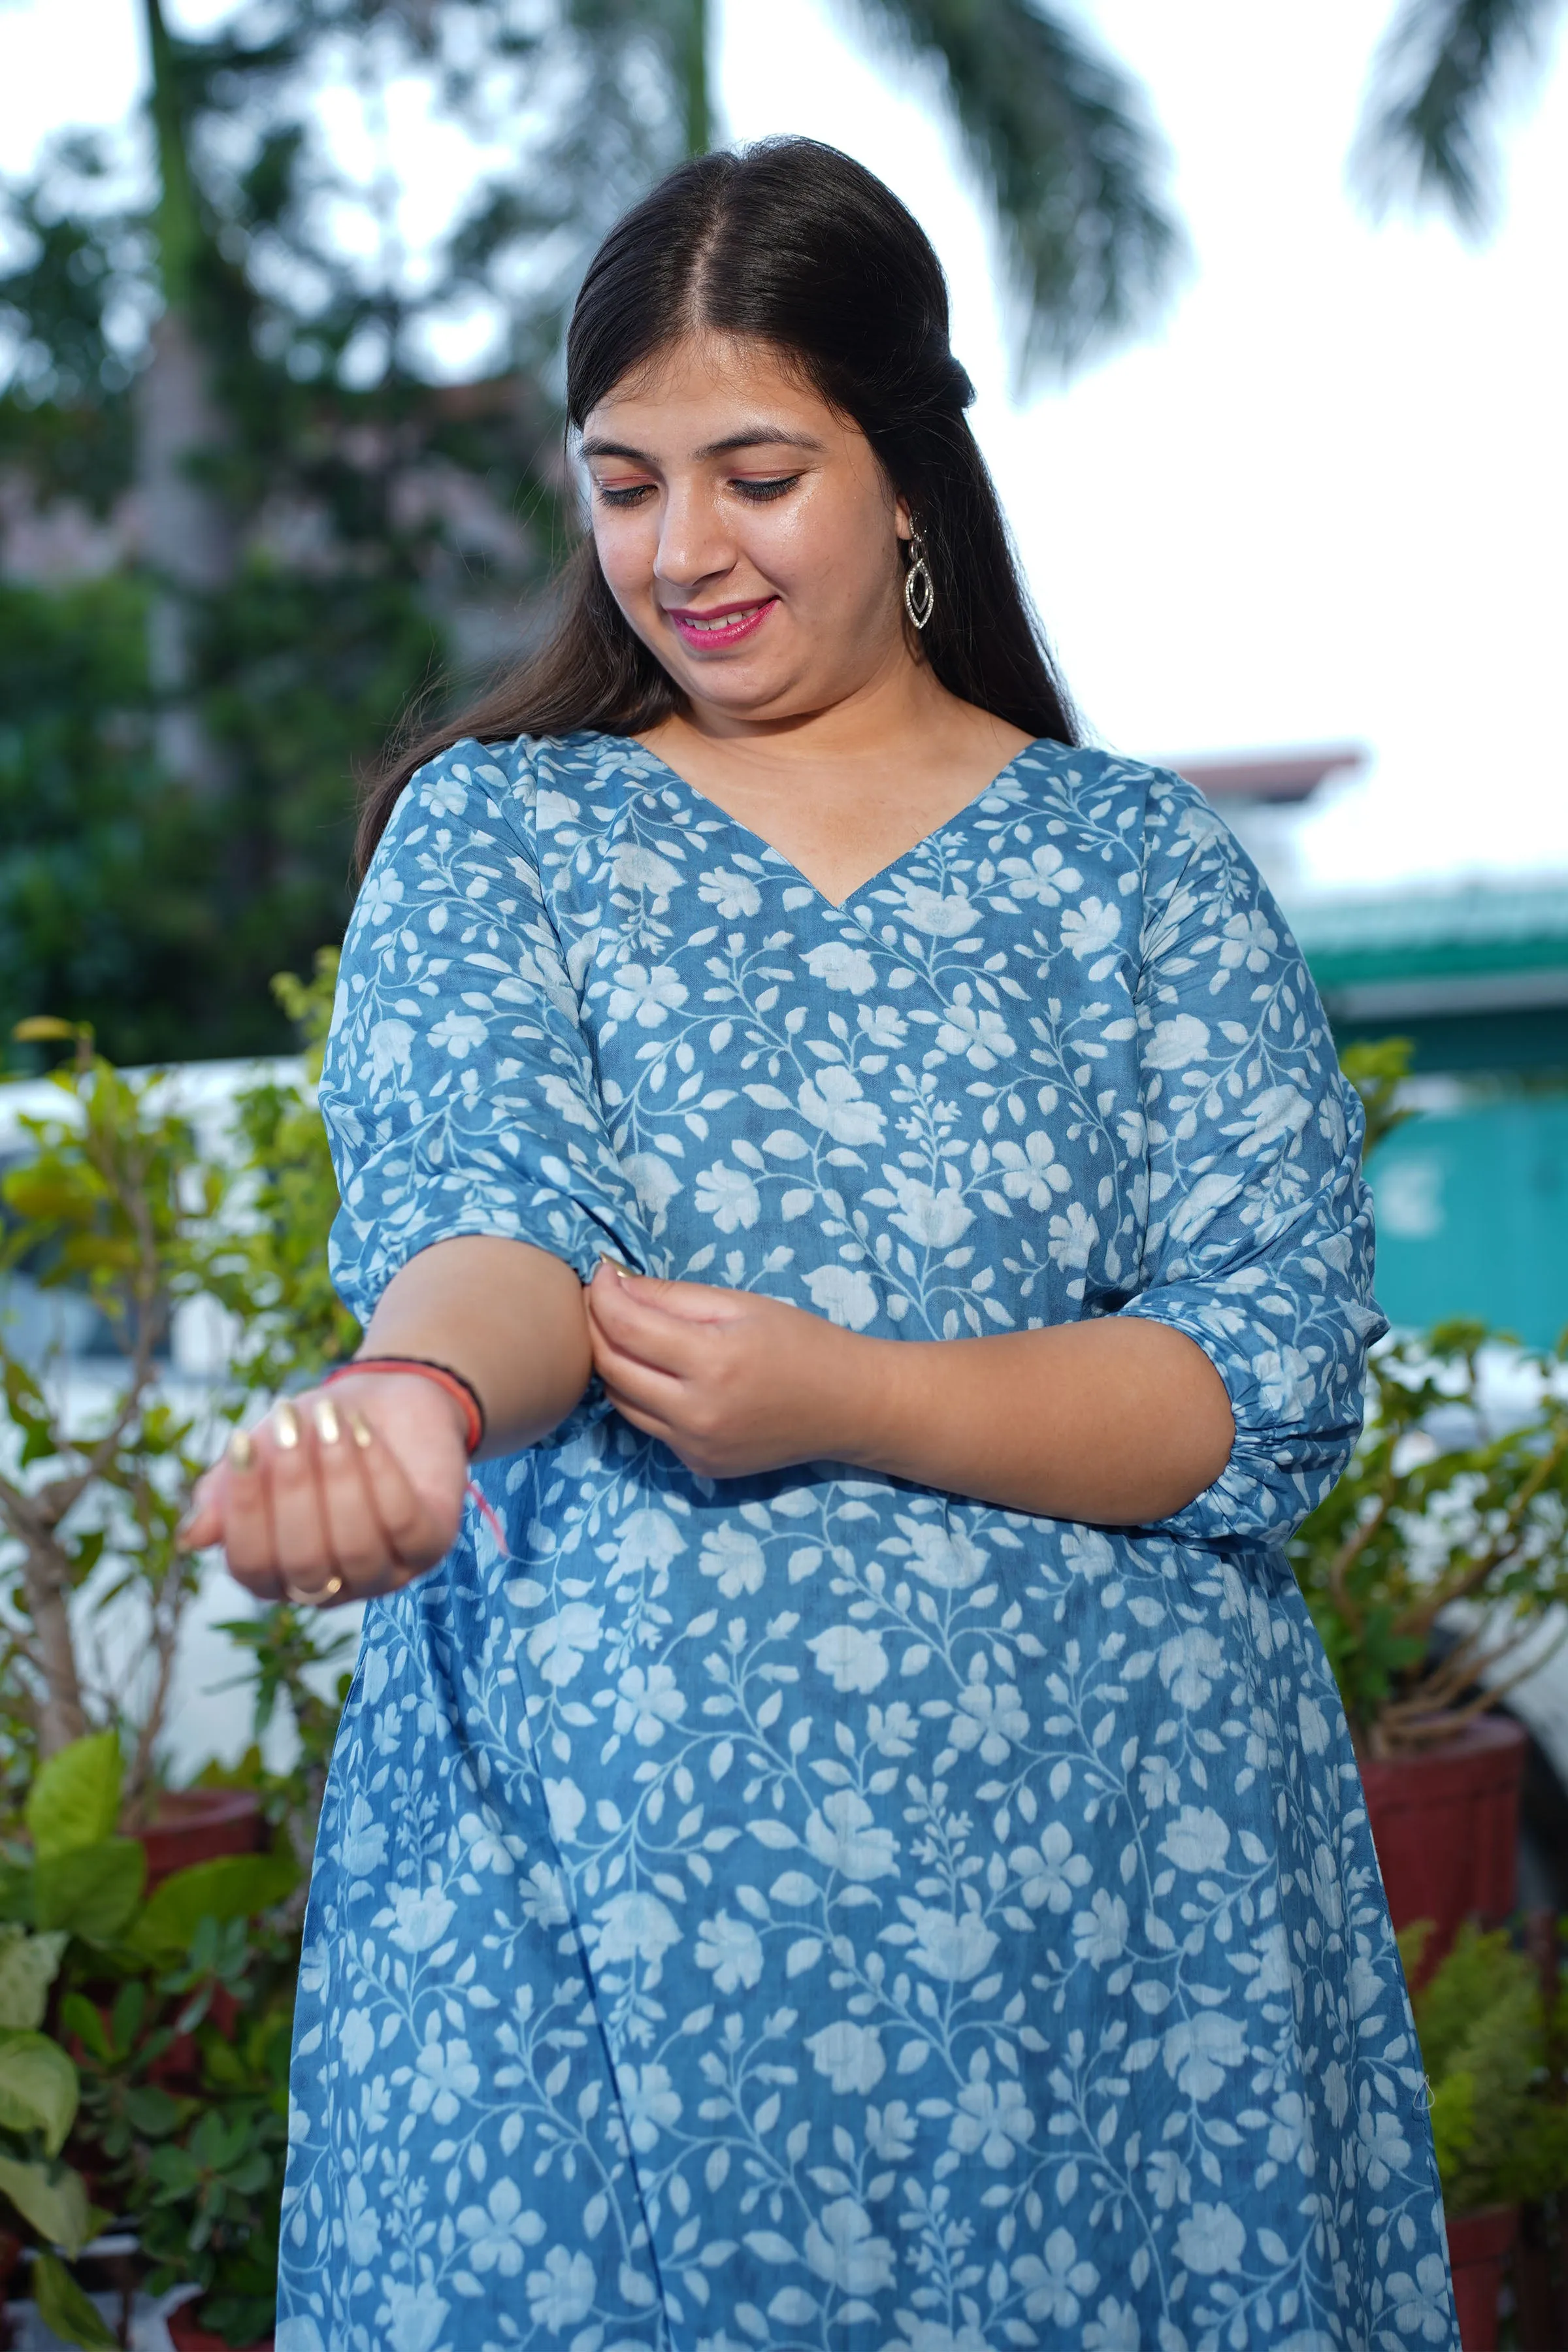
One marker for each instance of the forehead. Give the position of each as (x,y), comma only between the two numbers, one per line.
(703,386)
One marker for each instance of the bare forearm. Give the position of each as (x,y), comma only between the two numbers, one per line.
(1116,1421)
(506,1316)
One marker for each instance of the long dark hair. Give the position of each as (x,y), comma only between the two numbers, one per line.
(795,245)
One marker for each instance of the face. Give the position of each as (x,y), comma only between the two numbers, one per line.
(747,532)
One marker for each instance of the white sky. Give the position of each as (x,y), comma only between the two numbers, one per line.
(1327,500)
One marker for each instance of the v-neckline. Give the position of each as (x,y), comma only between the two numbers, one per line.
(836,905)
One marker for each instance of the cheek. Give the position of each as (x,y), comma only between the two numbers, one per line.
(837,556)
(626,547)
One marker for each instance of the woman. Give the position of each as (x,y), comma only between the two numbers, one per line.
(852,1839)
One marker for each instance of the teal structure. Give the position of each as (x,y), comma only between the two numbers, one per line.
(1472,1194)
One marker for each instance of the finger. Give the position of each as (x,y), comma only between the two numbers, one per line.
(688,1302)
(360,1548)
(287,1442)
(248,1518)
(652,1386)
(203,1522)
(637,1327)
(417,1535)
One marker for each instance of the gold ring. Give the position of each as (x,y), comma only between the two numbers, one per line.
(313,1596)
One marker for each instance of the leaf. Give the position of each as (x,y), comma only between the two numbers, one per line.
(74,1801)
(93,1891)
(65,2309)
(42,1028)
(52,2197)
(28,1965)
(38,2088)
(237,1887)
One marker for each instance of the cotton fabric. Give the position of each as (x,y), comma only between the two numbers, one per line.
(813,1910)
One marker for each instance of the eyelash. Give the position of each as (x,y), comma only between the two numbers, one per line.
(756,493)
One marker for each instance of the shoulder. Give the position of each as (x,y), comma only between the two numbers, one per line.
(1100,785)
(530,786)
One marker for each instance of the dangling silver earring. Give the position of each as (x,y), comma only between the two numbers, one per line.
(920,589)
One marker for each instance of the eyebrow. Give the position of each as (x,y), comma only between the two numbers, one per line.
(754,436)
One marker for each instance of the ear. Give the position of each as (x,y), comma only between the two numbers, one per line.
(903,521)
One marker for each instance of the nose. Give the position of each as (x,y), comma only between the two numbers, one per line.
(694,544)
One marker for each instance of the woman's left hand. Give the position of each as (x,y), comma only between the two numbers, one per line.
(733,1385)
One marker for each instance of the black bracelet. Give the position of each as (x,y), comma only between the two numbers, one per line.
(479,1423)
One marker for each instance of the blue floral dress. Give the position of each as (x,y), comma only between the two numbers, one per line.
(813,1910)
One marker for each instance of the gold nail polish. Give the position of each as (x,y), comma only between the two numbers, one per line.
(329,1429)
(359,1429)
(241,1452)
(285,1425)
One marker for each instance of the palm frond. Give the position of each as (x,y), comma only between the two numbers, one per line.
(1067,155)
(1427,129)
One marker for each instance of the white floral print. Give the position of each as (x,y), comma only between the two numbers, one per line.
(812,1913)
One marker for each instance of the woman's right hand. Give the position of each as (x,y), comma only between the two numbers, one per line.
(339,1493)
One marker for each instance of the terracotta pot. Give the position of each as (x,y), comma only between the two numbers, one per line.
(1445,1826)
(192,1826)
(1478,2246)
(187,2336)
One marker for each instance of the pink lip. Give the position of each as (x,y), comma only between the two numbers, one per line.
(701,640)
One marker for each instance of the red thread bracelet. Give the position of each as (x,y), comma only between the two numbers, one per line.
(455,1385)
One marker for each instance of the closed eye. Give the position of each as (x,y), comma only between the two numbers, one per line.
(760,492)
(630,495)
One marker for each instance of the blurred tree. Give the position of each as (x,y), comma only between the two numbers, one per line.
(1445,71)
(231,340)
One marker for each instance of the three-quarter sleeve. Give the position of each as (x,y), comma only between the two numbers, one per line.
(459,1091)
(1258,1244)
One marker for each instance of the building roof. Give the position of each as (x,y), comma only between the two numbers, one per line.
(1478,947)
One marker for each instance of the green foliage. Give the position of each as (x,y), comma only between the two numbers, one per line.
(1377,1070)
(65,2310)
(1494,2061)
(1436,1508)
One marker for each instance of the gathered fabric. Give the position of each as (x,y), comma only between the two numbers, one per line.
(813,1910)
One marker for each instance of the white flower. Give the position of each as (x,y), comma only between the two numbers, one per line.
(1384,2147)
(636,868)
(651,2101)
(1279,1112)
(364,1846)
(734,1556)
(1188,1661)
(561,2294)
(635,1926)
(362,2225)
(1052,2287)
(544,1898)
(732,1949)
(423,1918)
(565,1804)
(977,1033)
(1423,2301)
(646,1538)
(881,1025)
(890,2132)
(654,1181)
(956,1948)
(1209,2240)
(1115,2330)
(934,1219)
(734,895)
(559,1645)
(839,965)
(1073,1237)
(1197,2050)
(381,894)
(988,1719)
(498,2230)
(445,2075)
(729,1196)
(833,1101)
(845,1293)
(648,1701)
(1197,1840)
(850,2055)
(1089,929)
(645,995)
(841,2249)
(1177,1042)
(1052,1870)
(459,1033)
(942,917)
(1247,939)
(842,1837)
(1031,1173)
(356,2039)
(414,2316)
(488,1843)
(856,1660)
(1043,879)
(1099,1934)
(992,2121)
(391,1044)
(943,1555)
